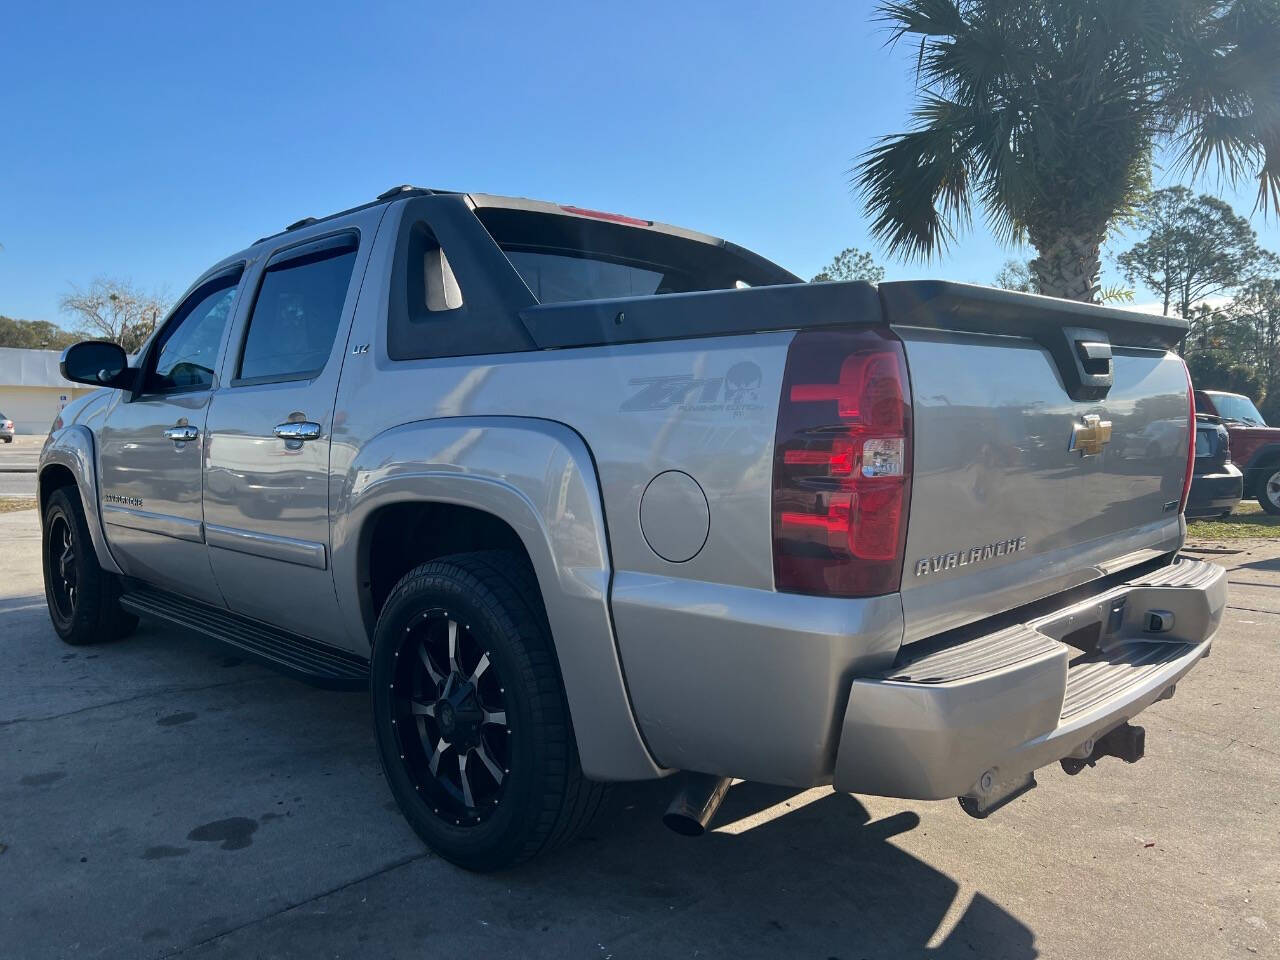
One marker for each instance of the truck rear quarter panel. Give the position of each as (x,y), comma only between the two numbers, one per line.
(705,407)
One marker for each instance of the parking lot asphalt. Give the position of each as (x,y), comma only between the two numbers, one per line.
(160,797)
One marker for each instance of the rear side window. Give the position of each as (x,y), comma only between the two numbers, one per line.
(296,314)
(563,258)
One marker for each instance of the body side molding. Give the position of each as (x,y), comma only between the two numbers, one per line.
(162,525)
(287,549)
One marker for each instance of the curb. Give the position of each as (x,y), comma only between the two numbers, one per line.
(17,469)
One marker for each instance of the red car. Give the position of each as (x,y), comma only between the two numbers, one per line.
(1255,447)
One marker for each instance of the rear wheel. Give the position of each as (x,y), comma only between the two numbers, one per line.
(472,725)
(83,598)
(1269,489)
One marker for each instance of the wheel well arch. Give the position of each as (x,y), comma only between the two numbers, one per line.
(53,477)
(400,536)
(1265,458)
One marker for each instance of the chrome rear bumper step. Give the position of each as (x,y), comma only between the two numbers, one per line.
(1094,679)
(975,719)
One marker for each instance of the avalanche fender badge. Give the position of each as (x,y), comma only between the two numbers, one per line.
(1091,436)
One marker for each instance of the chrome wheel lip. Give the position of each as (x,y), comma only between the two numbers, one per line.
(449,718)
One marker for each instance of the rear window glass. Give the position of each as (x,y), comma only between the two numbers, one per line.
(563,258)
(555,278)
(1231,406)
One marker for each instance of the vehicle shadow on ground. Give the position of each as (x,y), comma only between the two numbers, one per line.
(1269,566)
(816,880)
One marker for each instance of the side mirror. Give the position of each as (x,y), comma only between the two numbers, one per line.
(97,363)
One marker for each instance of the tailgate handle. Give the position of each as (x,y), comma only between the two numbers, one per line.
(1084,359)
(1095,356)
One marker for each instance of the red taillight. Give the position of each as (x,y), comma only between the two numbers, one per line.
(601,215)
(842,464)
(1191,441)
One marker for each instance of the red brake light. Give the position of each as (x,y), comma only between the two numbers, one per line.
(1191,441)
(601,215)
(842,464)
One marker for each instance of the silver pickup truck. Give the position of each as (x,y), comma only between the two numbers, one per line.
(584,498)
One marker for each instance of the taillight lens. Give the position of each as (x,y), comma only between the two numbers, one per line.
(1191,441)
(842,464)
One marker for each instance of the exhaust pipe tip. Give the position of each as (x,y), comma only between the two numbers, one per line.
(695,803)
(683,824)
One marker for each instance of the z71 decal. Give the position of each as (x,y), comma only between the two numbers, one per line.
(737,392)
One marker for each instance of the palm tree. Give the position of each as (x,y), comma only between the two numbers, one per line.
(1046,113)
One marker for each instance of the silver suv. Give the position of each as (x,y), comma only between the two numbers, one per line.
(584,498)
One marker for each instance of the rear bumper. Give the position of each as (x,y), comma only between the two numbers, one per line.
(966,719)
(1213,494)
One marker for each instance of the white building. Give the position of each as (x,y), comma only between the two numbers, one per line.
(31,389)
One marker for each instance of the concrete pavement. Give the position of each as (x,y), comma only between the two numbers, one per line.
(161,798)
(21,456)
(17,484)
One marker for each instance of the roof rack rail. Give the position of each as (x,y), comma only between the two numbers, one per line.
(404,190)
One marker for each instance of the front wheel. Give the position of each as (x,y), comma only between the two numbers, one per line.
(470,715)
(83,598)
(1269,490)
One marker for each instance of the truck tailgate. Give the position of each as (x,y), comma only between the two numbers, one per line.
(1032,473)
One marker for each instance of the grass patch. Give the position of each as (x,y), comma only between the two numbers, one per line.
(11,504)
(1248,522)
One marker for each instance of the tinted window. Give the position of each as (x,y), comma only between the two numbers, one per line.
(187,351)
(296,314)
(562,257)
(1204,443)
(554,278)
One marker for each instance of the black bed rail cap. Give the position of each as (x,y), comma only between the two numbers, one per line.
(945,304)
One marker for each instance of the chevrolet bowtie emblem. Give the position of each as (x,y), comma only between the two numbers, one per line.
(1091,436)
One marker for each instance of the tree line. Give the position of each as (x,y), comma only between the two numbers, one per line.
(106,309)
(1203,262)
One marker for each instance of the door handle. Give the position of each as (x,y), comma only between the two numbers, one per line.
(181,433)
(297,431)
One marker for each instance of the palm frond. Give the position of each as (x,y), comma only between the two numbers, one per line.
(916,186)
(1114,293)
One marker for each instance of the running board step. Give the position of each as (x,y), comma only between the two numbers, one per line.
(310,660)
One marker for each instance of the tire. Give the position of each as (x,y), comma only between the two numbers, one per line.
(505,726)
(83,599)
(8,439)
(1269,489)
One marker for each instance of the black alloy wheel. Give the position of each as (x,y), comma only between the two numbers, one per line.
(83,599)
(450,717)
(62,568)
(470,714)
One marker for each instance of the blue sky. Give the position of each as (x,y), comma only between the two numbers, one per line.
(148,144)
